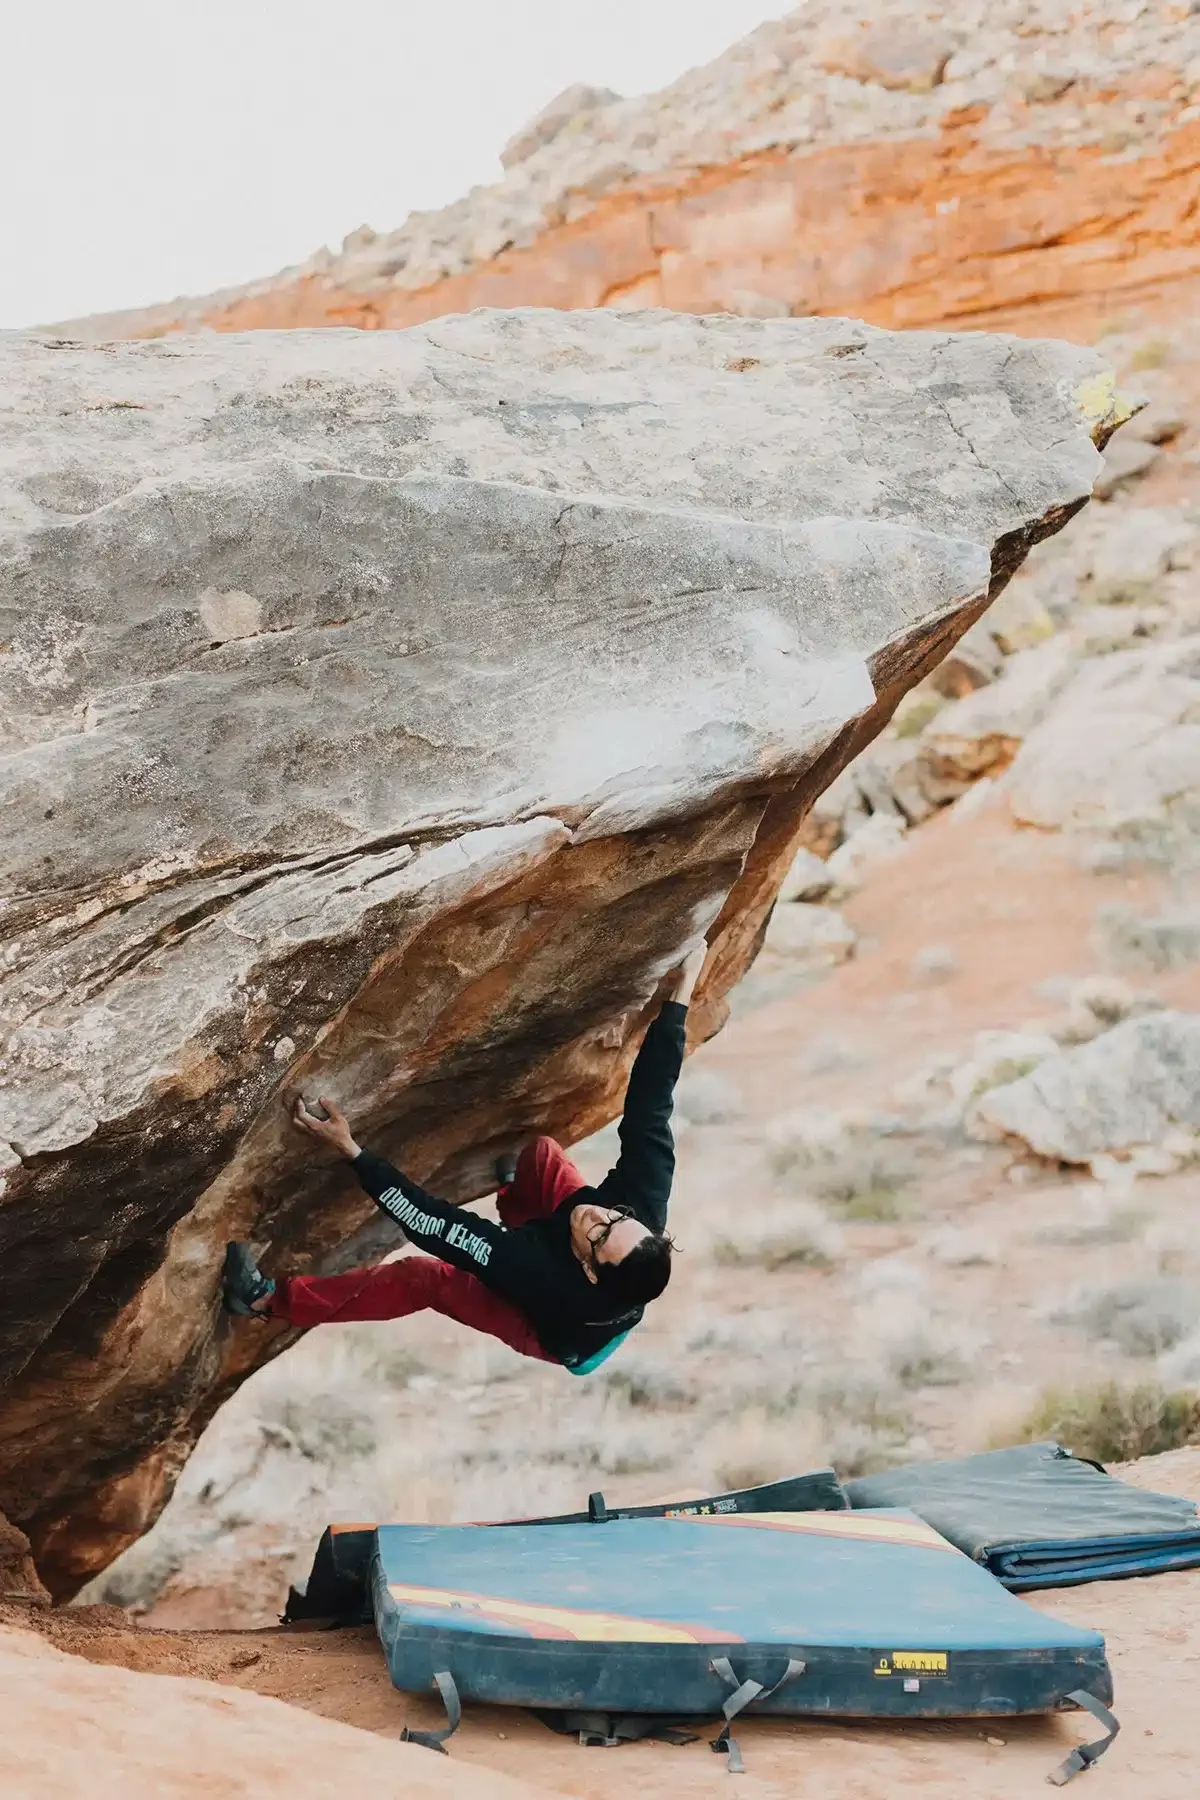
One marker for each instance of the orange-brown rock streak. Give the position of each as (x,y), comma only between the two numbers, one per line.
(929,231)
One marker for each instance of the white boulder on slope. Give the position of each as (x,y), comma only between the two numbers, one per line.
(1136,1085)
(1121,746)
(984,730)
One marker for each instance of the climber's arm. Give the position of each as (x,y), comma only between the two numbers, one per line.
(451,1232)
(645,1168)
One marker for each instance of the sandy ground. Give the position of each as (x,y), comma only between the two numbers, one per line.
(1152,1628)
(68,1728)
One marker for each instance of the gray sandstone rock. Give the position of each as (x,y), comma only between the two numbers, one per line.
(382,714)
(1131,1086)
(877,841)
(1121,749)
(816,936)
(891,54)
(984,731)
(1137,550)
(574,109)
(808,878)
(1124,461)
(1159,423)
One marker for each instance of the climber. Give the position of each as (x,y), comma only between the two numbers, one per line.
(567,1274)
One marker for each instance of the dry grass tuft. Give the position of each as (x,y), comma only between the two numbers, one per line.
(803,1238)
(866,1421)
(1111,1422)
(917,1359)
(756,1448)
(1142,1318)
(1166,940)
(1151,353)
(915,712)
(649,1382)
(1118,1225)
(862,1177)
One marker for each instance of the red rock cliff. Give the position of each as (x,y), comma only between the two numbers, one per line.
(909,171)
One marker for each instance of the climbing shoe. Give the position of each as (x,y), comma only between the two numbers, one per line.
(506,1169)
(243,1283)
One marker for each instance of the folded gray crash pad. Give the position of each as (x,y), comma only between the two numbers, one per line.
(1038,1517)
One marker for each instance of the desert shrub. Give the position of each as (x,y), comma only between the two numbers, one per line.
(1119,1226)
(865,1398)
(917,1360)
(861,1450)
(866,1419)
(634,1453)
(646,1382)
(1165,940)
(322,1427)
(915,712)
(805,1239)
(746,1335)
(860,1175)
(1004,1070)
(933,963)
(756,1447)
(1151,353)
(1112,1422)
(1169,840)
(1143,1318)
(706,1097)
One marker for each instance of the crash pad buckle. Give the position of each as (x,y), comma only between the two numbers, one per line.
(743,1693)
(1084,1755)
(436,1740)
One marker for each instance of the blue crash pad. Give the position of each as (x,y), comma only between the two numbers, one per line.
(1038,1517)
(888,1619)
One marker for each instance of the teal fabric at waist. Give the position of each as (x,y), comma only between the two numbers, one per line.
(601,1356)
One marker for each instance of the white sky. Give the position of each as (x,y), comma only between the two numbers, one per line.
(150,148)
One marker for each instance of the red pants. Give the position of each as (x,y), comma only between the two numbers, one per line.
(545,1177)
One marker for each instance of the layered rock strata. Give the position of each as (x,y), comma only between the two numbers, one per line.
(913,167)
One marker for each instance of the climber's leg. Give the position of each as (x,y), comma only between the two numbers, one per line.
(411,1284)
(544,1178)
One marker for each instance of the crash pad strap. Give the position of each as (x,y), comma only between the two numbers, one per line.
(743,1693)
(436,1740)
(1084,1755)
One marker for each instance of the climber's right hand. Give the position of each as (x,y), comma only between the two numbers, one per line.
(333,1130)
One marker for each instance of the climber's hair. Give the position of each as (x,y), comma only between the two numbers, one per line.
(642,1273)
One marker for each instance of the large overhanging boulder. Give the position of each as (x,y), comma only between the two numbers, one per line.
(382,714)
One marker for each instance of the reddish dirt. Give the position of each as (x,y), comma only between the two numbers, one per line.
(1014,908)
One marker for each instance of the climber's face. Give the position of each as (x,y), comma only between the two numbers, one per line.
(604,1234)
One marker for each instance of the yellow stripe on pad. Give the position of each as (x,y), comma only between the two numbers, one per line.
(858,1526)
(559,1621)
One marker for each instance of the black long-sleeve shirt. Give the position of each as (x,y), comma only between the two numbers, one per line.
(533,1266)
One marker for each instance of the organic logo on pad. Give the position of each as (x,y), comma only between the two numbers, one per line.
(911,1662)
